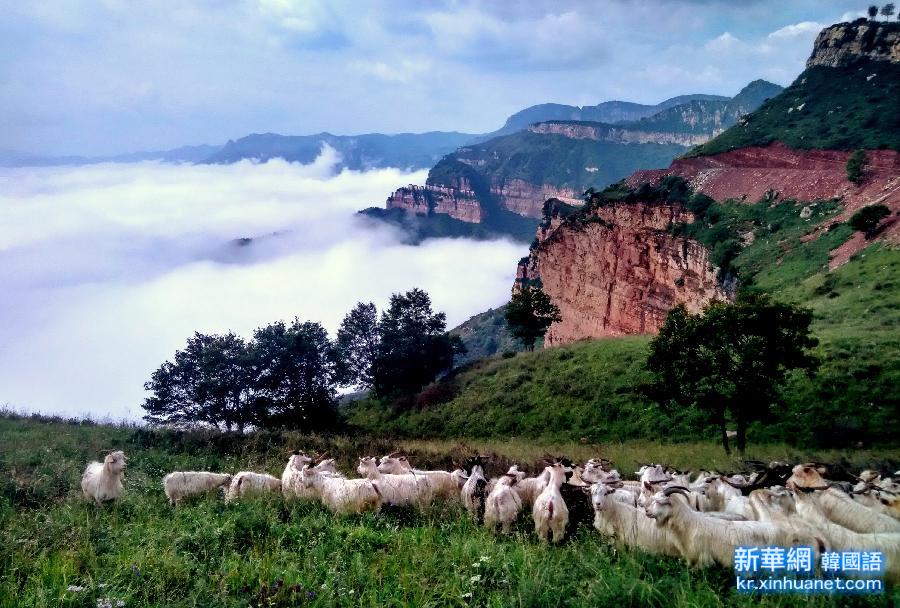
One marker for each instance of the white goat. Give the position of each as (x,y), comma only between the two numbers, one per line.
(550,513)
(807,506)
(291,481)
(398,490)
(179,485)
(502,504)
(102,481)
(341,495)
(707,540)
(528,488)
(629,525)
(445,485)
(474,492)
(842,510)
(246,483)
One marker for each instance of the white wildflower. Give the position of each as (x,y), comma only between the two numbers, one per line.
(74,588)
(475,579)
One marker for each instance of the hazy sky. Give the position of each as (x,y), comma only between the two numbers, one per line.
(107,269)
(107,76)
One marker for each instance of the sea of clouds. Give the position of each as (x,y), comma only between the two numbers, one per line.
(105,270)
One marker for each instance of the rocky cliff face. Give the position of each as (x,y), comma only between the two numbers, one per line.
(601,132)
(620,271)
(515,195)
(843,44)
(458,203)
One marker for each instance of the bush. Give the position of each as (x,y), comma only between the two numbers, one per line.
(856,166)
(867,219)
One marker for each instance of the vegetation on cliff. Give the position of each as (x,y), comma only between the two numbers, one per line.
(552,159)
(841,108)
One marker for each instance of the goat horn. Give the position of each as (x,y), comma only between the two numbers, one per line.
(675,489)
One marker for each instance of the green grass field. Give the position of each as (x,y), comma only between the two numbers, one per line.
(267,552)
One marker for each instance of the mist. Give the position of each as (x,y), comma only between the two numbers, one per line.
(106,270)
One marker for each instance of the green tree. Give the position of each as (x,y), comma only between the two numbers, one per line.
(295,376)
(873,11)
(866,220)
(856,166)
(414,346)
(731,361)
(207,383)
(887,10)
(529,313)
(357,343)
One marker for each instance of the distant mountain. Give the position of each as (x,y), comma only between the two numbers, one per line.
(184,154)
(501,184)
(608,112)
(358,152)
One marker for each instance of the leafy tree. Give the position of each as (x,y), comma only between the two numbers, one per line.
(357,343)
(295,375)
(207,383)
(529,313)
(856,165)
(873,11)
(867,219)
(731,360)
(887,10)
(414,346)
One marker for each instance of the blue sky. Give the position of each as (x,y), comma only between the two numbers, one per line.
(108,76)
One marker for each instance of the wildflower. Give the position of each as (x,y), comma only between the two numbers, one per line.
(104,603)
(120,603)
(74,588)
(475,579)
(484,558)
(467,595)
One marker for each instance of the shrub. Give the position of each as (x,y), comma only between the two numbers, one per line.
(867,219)
(856,166)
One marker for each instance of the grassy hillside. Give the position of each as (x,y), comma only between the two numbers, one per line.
(828,108)
(268,552)
(593,388)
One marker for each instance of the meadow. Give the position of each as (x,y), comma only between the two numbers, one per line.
(58,550)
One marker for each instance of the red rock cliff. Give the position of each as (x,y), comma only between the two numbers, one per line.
(620,271)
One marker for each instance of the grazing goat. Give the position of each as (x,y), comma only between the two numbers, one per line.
(528,488)
(181,484)
(502,505)
(838,506)
(444,485)
(806,505)
(474,492)
(246,483)
(707,540)
(102,481)
(398,490)
(550,512)
(291,482)
(629,525)
(341,495)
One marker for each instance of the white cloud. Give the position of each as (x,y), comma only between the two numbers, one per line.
(108,269)
(804,29)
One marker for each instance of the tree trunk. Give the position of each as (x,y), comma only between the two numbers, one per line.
(724,435)
(741,436)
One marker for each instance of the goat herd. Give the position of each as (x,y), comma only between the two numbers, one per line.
(701,520)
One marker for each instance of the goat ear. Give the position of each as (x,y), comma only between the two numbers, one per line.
(648,486)
(822,470)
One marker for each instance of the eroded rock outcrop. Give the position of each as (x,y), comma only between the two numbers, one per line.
(460,204)
(619,271)
(843,44)
(602,132)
